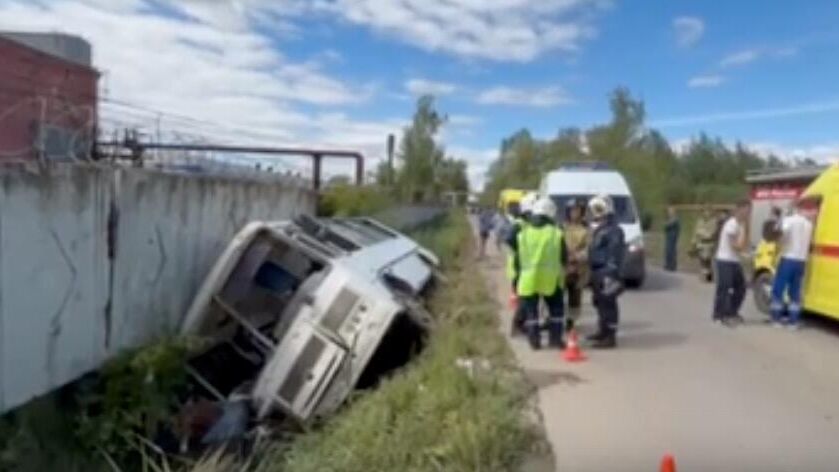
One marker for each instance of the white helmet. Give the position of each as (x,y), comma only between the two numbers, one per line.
(527,202)
(544,207)
(600,206)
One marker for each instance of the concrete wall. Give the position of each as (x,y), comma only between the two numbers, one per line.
(94,260)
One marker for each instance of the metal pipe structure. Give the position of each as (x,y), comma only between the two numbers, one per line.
(137,148)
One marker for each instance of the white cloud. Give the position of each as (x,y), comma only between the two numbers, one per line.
(704,81)
(740,58)
(498,30)
(826,106)
(747,56)
(216,76)
(429,87)
(464,120)
(539,97)
(689,30)
(823,152)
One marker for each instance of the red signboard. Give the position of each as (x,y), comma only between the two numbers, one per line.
(777,191)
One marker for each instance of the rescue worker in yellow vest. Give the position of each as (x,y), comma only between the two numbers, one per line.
(539,257)
(519,223)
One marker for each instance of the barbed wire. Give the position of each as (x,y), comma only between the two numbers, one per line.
(115,117)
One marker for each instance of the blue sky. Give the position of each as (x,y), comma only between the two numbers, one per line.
(346,72)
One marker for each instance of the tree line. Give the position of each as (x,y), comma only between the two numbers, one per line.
(704,171)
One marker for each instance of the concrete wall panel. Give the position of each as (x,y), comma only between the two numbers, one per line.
(65,305)
(52,276)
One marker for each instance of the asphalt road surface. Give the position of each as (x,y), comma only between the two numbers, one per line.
(751,398)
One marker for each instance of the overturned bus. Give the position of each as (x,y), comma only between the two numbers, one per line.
(298,314)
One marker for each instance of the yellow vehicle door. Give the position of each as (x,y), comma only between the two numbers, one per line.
(821,289)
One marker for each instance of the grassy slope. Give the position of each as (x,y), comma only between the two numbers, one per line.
(432,415)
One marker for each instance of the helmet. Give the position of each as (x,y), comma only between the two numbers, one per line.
(528,201)
(544,207)
(600,206)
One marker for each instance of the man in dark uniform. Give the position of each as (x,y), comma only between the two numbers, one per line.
(605,258)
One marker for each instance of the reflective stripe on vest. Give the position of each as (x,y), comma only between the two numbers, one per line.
(540,268)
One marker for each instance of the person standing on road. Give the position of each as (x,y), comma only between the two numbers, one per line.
(605,257)
(526,209)
(486,221)
(772,226)
(577,240)
(503,223)
(703,242)
(671,244)
(731,284)
(795,234)
(539,251)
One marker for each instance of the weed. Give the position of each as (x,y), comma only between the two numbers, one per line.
(433,415)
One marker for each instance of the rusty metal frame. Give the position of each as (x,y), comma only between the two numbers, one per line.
(316,155)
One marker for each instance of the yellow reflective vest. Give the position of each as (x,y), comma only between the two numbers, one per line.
(539,257)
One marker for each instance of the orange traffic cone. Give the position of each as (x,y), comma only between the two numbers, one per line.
(668,463)
(572,352)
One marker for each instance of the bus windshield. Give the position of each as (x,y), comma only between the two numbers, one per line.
(624,209)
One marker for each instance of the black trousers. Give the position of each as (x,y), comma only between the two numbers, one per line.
(575,293)
(556,318)
(731,289)
(671,253)
(608,312)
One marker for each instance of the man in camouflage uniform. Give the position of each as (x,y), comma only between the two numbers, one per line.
(704,242)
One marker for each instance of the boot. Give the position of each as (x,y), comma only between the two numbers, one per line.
(608,341)
(534,334)
(555,340)
(596,336)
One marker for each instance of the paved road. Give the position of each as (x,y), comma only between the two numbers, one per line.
(752,398)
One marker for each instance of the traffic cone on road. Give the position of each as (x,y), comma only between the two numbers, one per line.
(668,463)
(572,352)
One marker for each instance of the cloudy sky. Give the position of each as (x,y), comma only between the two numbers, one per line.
(345,73)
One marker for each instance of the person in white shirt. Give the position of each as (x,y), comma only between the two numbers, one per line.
(731,283)
(794,244)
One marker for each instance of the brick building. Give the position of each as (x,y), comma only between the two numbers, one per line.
(48,97)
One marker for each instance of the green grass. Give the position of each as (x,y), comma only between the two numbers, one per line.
(432,415)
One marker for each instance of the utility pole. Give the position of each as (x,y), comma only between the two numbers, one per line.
(391,145)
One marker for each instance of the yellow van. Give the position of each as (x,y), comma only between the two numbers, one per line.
(821,284)
(509,200)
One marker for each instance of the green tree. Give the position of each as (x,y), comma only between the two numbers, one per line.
(419,153)
(384,175)
(705,170)
(452,176)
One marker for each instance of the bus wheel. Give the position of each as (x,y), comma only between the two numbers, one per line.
(762,290)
